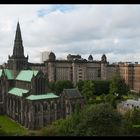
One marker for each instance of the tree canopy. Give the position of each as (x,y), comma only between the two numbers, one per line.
(100,87)
(58,86)
(93,120)
(88,91)
(118,86)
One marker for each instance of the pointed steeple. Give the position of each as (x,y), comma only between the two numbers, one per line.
(18,61)
(18,33)
(18,50)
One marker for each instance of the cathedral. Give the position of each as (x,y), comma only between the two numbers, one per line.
(24,95)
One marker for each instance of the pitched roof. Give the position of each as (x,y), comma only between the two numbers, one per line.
(8,73)
(26,75)
(0,72)
(72,93)
(18,91)
(132,102)
(43,96)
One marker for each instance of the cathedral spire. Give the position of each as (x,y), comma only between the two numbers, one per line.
(18,50)
(18,61)
(18,33)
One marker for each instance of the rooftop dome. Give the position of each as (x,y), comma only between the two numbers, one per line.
(104,58)
(52,56)
(90,58)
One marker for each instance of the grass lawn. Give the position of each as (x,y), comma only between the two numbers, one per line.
(11,127)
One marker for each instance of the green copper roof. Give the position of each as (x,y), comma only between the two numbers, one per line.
(26,75)
(0,72)
(8,73)
(43,96)
(17,91)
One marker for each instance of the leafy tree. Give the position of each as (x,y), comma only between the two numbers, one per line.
(135,116)
(100,119)
(51,86)
(118,86)
(80,85)
(101,87)
(131,122)
(52,129)
(100,99)
(64,84)
(88,91)
(111,99)
(62,127)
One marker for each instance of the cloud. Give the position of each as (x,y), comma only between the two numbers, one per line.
(58,7)
(78,29)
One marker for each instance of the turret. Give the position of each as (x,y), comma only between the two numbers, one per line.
(90,58)
(103,67)
(104,58)
(52,56)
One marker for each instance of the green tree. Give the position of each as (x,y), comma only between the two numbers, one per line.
(111,99)
(52,129)
(93,120)
(88,91)
(63,127)
(101,87)
(118,86)
(60,85)
(80,85)
(100,119)
(51,86)
(131,122)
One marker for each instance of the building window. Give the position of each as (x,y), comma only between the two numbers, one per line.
(99,73)
(80,77)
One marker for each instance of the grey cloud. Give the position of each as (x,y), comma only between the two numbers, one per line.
(87,29)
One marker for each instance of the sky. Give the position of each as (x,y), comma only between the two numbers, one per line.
(113,30)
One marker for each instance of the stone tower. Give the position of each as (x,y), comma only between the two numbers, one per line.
(52,67)
(18,61)
(90,58)
(103,67)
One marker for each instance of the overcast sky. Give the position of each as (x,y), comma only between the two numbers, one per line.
(72,29)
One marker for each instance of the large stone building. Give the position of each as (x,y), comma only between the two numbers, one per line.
(24,95)
(76,68)
(130,72)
